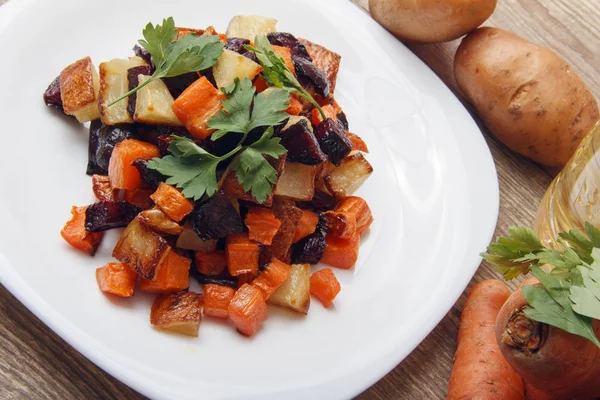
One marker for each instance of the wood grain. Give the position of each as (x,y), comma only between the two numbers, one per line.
(37,364)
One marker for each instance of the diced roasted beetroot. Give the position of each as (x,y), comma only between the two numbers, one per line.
(288,40)
(215,279)
(215,218)
(108,137)
(224,144)
(343,121)
(150,177)
(302,145)
(309,73)
(134,81)
(320,202)
(177,84)
(333,141)
(52,95)
(310,249)
(107,214)
(251,56)
(236,44)
(92,166)
(143,54)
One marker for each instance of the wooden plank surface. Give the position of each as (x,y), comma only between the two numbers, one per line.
(37,364)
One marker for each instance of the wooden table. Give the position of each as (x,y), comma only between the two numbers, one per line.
(37,364)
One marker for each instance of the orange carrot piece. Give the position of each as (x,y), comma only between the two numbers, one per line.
(184,31)
(242,254)
(273,276)
(117,279)
(194,107)
(480,371)
(122,174)
(173,275)
(262,225)
(101,187)
(286,54)
(341,253)
(295,107)
(306,226)
(357,142)
(213,263)
(324,286)
(248,309)
(76,235)
(260,84)
(172,202)
(247,277)
(352,215)
(217,299)
(329,111)
(139,197)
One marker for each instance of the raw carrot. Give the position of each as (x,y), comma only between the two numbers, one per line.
(357,143)
(213,263)
(172,202)
(172,275)
(306,226)
(248,309)
(194,107)
(217,299)
(562,365)
(101,187)
(286,54)
(341,253)
(352,215)
(324,286)
(75,234)
(117,279)
(122,174)
(273,276)
(262,225)
(242,254)
(329,111)
(480,371)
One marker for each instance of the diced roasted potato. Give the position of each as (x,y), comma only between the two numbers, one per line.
(189,240)
(141,248)
(178,312)
(231,65)
(249,26)
(295,291)
(79,86)
(114,84)
(344,180)
(324,59)
(156,219)
(153,104)
(297,181)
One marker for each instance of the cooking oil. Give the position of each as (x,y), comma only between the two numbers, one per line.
(574,196)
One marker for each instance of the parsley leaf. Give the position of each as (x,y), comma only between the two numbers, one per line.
(189,53)
(585,292)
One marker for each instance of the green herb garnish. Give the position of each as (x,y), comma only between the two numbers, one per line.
(189,53)
(276,72)
(193,169)
(569,296)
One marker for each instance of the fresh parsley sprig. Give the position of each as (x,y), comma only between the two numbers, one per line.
(189,53)
(276,72)
(569,296)
(193,169)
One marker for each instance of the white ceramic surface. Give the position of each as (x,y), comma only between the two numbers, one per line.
(434,195)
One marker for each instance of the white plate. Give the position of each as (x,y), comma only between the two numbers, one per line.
(434,195)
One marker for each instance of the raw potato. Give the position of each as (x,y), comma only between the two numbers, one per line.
(527,95)
(431,21)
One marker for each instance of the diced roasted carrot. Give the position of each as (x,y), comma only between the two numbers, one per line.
(117,279)
(357,142)
(286,211)
(329,111)
(260,84)
(216,300)
(173,275)
(324,286)
(172,202)
(122,174)
(242,254)
(341,253)
(352,215)
(139,197)
(272,277)
(213,263)
(194,107)
(184,31)
(248,309)
(248,277)
(101,187)
(262,225)
(295,107)
(75,234)
(286,54)
(306,226)
(336,107)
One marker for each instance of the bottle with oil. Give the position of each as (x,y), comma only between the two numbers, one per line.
(574,196)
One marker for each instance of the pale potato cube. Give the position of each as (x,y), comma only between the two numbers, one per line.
(344,180)
(114,84)
(297,181)
(79,87)
(231,65)
(178,312)
(250,26)
(154,104)
(295,291)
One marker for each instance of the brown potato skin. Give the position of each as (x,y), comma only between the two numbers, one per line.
(565,365)
(528,97)
(430,21)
